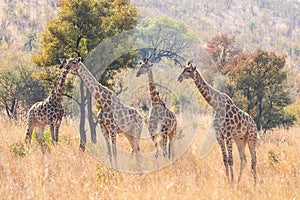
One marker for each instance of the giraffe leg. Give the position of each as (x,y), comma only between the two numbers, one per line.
(152,128)
(52,133)
(224,154)
(171,150)
(230,158)
(40,137)
(30,126)
(164,140)
(134,143)
(56,131)
(29,132)
(106,136)
(171,144)
(241,143)
(114,147)
(172,137)
(252,145)
(165,143)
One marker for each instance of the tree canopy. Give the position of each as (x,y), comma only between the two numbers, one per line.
(257,81)
(79,27)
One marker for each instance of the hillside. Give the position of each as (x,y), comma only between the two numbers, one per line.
(268,24)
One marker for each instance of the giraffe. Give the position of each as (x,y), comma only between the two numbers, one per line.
(162,121)
(48,112)
(230,123)
(114,116)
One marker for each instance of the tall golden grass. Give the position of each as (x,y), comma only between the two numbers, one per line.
(64,172)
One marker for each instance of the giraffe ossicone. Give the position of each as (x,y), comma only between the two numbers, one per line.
(230,123)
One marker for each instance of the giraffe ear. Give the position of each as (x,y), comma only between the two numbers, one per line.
(79,59)
(190,62)
(140,62)
(194,68)
(62,60)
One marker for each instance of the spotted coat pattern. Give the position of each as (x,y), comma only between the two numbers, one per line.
(48,112)
(162,123)
(114,116)
(230,123)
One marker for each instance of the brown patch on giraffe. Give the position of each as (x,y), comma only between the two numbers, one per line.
(97,95)
(235,119)
(230,114)
(239,125)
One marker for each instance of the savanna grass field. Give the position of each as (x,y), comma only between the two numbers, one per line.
(65,172)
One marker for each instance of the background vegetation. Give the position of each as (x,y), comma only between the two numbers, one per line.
(253,56)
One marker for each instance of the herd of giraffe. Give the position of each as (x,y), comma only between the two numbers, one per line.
(231,124)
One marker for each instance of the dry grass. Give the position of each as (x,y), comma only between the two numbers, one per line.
(67,173)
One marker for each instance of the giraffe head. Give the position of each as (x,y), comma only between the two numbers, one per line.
(72,64)
(188,71)
(63,63)
(144,67)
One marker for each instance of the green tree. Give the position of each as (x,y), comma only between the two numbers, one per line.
(18,90)
(164,38)
(79,27)
(262,84)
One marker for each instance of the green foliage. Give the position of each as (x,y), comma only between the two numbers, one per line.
(46,138)
(262,81)
(104,174)
(288,119)
(80,26)
(18,149)
(164,22)
(292,113)
(257,82)
(273,157)
(18,90)
(164,38)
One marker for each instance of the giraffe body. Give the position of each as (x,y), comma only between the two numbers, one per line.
(48,112)
(114,116)
(162,123)
(230,123)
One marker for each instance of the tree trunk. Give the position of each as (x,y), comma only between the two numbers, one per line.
(91,118)
(259,113)
(82,117)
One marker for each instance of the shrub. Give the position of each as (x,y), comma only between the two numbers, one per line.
(18,149)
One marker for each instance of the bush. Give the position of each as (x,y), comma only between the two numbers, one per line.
(18,149)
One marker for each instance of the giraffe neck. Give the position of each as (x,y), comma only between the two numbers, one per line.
(56,95)
(102,94)
(153,93)
(205,89)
